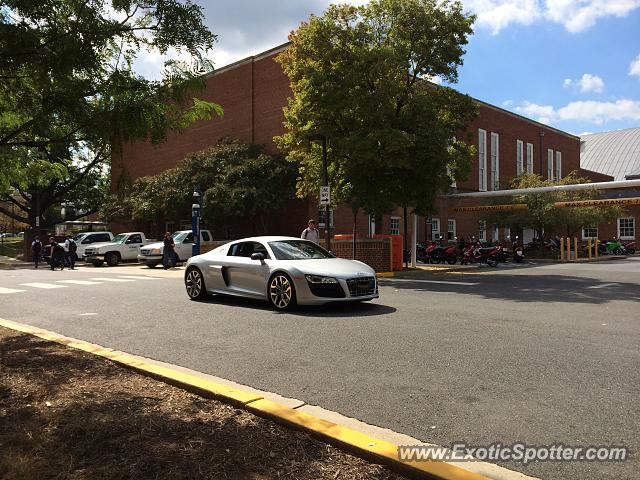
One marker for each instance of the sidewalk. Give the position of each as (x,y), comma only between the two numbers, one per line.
(69,414)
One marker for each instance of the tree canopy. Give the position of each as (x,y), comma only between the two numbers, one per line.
(360,78)
(543,216)
(238,181)
(69,96)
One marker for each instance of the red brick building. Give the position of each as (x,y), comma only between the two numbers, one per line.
(253,92)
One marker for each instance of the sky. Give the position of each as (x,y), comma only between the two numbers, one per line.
(570,64)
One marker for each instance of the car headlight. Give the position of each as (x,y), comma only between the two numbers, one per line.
(156,251)
(320,279)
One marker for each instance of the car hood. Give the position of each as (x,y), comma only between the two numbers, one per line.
(335,267)
(98,245)
(159,245)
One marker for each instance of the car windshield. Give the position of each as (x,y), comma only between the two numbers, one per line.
(119,238)
(298,250)
(79,237)
(178,237)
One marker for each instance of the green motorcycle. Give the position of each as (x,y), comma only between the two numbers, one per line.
(612,247)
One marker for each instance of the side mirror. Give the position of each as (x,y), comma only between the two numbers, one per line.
(257,256)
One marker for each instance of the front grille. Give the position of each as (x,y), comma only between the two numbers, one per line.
(145,251)
(361,286)
(89,251)
(327,290)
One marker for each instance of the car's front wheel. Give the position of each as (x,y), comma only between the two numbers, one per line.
(282,293)
(194,283)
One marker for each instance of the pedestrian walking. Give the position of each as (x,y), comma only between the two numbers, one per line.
(169,252)
(311,233)
(36,250)
(70,249)
(56,254)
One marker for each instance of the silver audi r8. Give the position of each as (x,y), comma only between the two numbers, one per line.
(282,270)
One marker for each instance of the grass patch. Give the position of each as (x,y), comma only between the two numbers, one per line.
(12,247)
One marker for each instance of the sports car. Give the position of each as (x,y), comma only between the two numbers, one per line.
(282,270)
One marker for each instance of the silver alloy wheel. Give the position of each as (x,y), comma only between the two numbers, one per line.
(193,283)
(280,291)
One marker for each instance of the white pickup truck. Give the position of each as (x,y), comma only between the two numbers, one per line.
(125,246)
(151,255)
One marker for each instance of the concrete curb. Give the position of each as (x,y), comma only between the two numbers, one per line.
(356,442)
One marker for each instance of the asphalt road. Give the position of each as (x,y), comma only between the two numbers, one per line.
(540,355)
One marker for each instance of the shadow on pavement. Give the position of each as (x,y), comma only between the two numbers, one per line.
(531,288)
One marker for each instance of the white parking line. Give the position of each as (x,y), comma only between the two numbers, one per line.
(605,285)
(112,279)
(133,277)
(43,285)
(79,282)
(10,290)
(407,280)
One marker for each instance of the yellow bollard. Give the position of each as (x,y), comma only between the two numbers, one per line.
(575,248)
(562,249)
(568,248)
(589,247)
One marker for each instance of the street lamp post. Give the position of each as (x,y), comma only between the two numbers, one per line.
(196,214)
(325,183)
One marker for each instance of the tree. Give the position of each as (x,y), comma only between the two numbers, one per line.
(69,97)
(542,215)
(240,182)
(359,76)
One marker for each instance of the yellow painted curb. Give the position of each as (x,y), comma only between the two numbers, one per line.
(385,274)
(356,442)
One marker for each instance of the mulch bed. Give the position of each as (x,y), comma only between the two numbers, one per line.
(65,414)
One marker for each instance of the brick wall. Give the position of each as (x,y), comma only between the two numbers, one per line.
(374,252)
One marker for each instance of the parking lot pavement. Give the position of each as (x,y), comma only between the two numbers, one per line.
(537,355)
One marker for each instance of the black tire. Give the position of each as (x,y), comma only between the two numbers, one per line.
(194,284)
(452,259)
(281,292)
(631,251)
(97,263)
(152,265)
(492,261)
(112,259)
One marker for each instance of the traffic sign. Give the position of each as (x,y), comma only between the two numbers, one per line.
(325,195)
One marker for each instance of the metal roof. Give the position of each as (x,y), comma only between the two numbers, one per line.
(614,153)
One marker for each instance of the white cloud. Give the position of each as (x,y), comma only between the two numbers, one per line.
(588,83)
(573,15)
(590,111)
(634,68)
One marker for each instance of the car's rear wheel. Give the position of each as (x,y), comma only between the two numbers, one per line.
(282,293)
(194,283)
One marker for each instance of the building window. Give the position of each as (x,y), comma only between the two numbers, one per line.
(395,225)
(529,157)
(558,165)
(495,161)
(435,229)
(496,233)
(519,157)
(589,232)
(627,228)
(482,160)
(482,231)
(550,164)
(451,229)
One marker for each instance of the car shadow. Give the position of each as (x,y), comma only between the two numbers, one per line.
(530,288)
(350,309)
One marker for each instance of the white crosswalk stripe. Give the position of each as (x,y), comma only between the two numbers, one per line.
(79,282)
(10,290)
(46,286)
(133,277)
(101,279)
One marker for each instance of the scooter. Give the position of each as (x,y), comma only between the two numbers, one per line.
(518,251)
(478,254)
(630,247)
(447,254)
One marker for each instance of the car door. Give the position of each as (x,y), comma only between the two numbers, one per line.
(184,248)
(132,247)
(243,275)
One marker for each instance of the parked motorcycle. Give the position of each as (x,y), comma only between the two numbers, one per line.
(447,254)
(518,251)
(630,247)
(612,247)
(478,254)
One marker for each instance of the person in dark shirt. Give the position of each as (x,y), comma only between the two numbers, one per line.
(57,254)
(169,252)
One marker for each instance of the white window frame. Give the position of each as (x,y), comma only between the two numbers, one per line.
(435,231)
(451,229)
(482,160)
(392,220)
(495,161)
(482,231)
(558,173)
(550,164)
(627,237)
(529,157)
(519,157)
(587,237)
